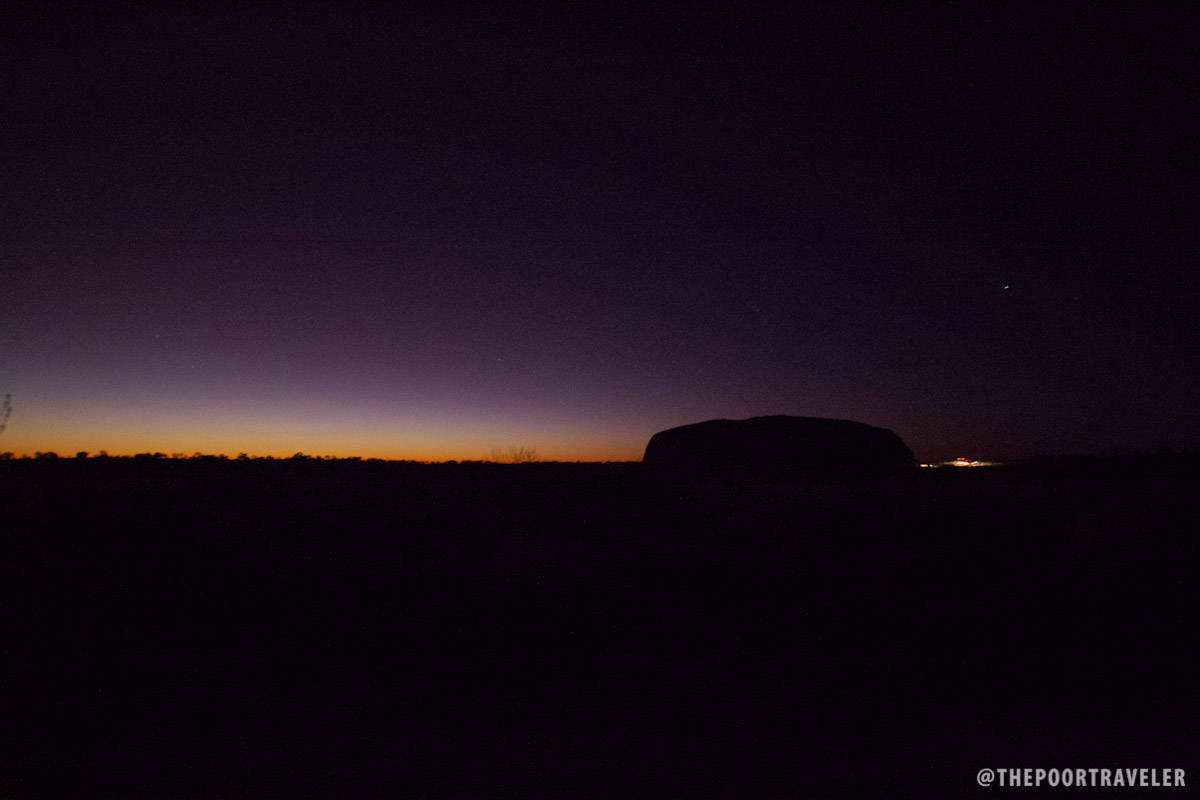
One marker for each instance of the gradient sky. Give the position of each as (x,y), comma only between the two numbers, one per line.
(427,235)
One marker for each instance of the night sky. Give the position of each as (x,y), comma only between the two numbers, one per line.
(431,235)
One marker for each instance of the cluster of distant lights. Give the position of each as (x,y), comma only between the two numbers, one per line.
(962,462)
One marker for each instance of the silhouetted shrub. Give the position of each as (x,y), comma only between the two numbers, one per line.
(515,455)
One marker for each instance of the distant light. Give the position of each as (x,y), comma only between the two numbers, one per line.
(968,462)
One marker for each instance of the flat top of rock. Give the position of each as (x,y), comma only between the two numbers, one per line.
(780,420)
(777,440)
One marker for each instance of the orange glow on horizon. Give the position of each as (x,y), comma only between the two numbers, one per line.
(434,443)
(433,454)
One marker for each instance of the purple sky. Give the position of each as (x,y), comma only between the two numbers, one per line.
(430,236)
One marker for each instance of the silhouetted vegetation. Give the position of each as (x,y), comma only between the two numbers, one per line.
(254,626)
(515,455)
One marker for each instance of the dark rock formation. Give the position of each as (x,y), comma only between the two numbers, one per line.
(778,445)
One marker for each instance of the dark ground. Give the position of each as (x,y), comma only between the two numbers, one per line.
(209,628)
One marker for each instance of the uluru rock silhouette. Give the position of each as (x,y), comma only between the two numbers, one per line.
(778,445)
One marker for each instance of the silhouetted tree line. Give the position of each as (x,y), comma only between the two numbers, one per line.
(523,457)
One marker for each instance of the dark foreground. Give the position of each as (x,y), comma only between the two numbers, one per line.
(306,628)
